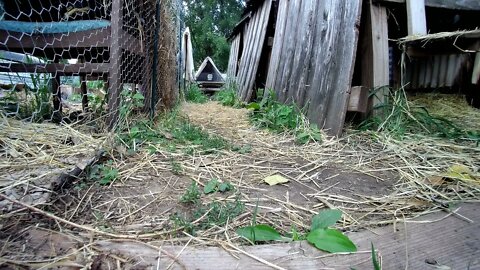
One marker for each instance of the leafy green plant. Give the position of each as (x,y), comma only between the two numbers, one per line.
(320,235)
(75,98)
(194,94)
(105,174)
(98,84)
(214,185)
(227,97)
(191,195)
(279,117)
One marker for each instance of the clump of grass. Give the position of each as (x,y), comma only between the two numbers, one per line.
(228,97)
(279,117)
(194,94)
(169,131)
(399,117)
(207,216)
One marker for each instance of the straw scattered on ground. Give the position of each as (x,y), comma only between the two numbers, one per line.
(374,179)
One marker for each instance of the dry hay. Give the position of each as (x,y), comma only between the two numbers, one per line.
(451,107)
(33,156)
(441,35)
(416,176)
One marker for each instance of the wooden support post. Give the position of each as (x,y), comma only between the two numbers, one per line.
(57,98)
(115,84)
(417,21)
(375,56)
(84,90)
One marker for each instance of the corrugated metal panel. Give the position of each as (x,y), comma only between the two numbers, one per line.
(436,71)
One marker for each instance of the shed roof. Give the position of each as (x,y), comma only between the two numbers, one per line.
(208,67)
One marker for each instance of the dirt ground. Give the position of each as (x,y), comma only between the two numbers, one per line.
(374,181)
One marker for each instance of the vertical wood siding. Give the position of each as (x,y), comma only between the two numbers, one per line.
(233,60)
(313,57)
(254,39)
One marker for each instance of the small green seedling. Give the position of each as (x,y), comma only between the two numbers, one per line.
(214,185)
(192,194)
(105,174)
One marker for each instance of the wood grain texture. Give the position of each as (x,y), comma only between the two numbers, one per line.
(312,64)
(252,50)
(451,242)
(233,60)
(416,17)
(374,53)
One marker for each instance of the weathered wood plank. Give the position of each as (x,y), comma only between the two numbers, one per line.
(278,41)
(260,40)
(358,101)
(289,49)
(448,4)
(303,53)
(343,66)
(375,56)
(233,60)
(416,17)
(252,51)
(308,66)
(439,237)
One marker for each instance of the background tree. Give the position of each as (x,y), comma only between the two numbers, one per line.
(210,22)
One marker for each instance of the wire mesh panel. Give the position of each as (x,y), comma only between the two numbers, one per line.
(66,60)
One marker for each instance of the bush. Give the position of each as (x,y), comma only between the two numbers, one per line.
(194,94)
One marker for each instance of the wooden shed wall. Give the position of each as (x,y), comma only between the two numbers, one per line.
(313,57)
(233,60)
(254,38)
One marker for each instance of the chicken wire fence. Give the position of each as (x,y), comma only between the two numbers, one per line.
(67,60)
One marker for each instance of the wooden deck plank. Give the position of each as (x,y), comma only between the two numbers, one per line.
(450,241)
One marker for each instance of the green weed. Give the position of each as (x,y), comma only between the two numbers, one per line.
(105,174)
(228,97)
(194,94)
(191,195)
(279,117)
(214,185)
(176,167)
(321,235)
(213,214)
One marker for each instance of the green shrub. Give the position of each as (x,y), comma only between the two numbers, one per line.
(228,97)
(194,94)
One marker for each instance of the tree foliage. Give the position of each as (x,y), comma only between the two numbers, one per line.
(210,22)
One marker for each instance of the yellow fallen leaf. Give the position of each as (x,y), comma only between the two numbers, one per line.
(461,172)
(275,180)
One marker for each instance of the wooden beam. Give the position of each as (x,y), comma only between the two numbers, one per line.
(448,4)
(416,17)
(375,64)
(114,81)
(60,69)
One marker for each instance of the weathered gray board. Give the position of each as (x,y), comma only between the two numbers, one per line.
(254,38)
(233,60)
(313,57)
(442,238)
